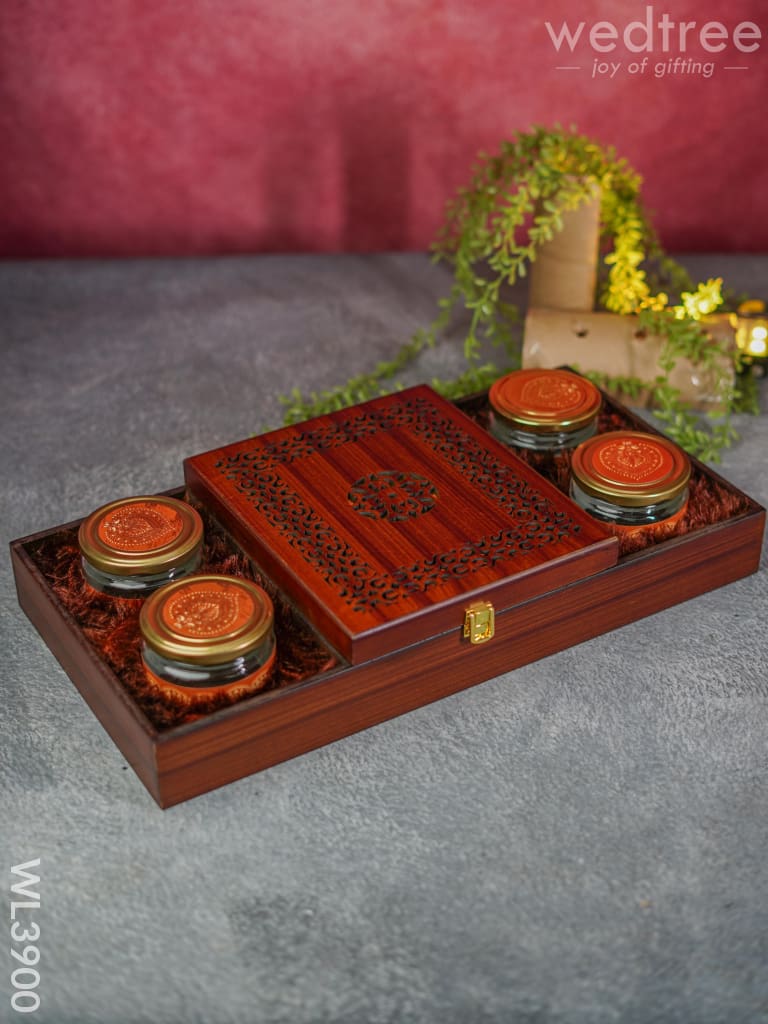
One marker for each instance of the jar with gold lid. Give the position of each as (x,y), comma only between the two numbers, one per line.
(209,634)
(543,410)
(631,480)
(132,546)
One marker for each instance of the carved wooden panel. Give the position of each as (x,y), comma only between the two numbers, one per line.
(381,520)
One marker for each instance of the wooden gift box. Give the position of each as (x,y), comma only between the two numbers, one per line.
(351,658)
(384,521)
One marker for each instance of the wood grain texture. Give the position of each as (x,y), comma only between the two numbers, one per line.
(382,521)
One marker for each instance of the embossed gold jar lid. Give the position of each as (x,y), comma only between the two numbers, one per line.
(545,401)
(631,468)
(207,619)
(141,535)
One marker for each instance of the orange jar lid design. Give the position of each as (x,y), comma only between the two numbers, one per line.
(631,468)
(207,620)
(544,400)
(141,535)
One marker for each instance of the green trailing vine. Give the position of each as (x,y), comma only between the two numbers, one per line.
(513,204)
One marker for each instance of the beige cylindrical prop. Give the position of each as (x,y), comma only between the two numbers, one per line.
(612,344)
(564,273)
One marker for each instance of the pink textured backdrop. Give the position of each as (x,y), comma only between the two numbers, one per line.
(140,127)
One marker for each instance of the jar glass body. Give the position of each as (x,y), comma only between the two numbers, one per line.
(247,670)
(632,480)
(138,585)
(543,410)
(134,545)
(208,635)
(666,511)
(552,441)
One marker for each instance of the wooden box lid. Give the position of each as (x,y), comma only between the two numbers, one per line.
(384,521)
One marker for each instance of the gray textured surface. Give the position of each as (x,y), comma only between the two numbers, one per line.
(582,840)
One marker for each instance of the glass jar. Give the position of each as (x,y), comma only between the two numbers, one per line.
(132,546)
(207,635)
(543,410)
(632,481)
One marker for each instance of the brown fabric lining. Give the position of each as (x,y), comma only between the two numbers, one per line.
(111,625)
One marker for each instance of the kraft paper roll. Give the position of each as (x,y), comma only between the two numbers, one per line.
(564,273)
(611,344)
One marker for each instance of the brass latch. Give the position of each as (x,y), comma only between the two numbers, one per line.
(479,624)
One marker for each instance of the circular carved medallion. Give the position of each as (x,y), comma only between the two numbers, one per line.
(392,495)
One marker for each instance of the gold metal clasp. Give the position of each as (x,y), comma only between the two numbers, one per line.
(479,622)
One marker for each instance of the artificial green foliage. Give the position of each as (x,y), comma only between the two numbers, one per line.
(513,204)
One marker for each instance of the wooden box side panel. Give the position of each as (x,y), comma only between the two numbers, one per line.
(348,700)
(98,686)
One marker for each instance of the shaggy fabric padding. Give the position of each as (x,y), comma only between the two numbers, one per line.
(111,625)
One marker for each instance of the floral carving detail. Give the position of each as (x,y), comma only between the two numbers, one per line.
(140,526)
(632,459)
(201,612)
(553,393)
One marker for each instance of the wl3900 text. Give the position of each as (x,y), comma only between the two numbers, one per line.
(25,954)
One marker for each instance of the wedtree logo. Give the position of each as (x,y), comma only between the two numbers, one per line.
(657,34)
